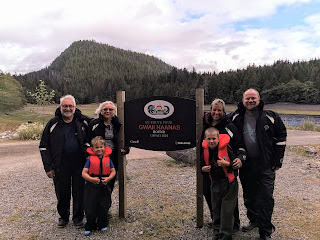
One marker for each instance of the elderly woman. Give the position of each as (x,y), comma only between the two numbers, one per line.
(107,126)
(217,118)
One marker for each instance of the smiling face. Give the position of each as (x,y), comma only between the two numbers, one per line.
(98,148)
(250,99)
(212,139)
(217,113)
(107,111)
(67,108)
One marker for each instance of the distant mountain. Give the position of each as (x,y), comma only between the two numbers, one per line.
(94,71)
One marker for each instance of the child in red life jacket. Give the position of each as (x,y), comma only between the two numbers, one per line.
(216,159)
(98,171)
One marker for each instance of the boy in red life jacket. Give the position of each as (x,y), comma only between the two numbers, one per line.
(216,159)
(98,171)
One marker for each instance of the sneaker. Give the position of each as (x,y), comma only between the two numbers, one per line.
(105,229)
(249,227)
(87,233)
(78,224)
(62,223)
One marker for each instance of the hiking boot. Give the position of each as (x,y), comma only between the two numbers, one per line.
(62,223)
(249,227)
(78,224)
(87,233)
(105,229)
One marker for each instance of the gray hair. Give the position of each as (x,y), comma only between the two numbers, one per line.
(69,97)
(99,109)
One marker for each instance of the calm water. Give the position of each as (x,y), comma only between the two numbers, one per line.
(297,120)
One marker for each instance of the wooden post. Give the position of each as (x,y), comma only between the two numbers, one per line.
(199,127)
(122,177)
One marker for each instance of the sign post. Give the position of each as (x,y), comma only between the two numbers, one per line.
(121,158)
(199,124)
(160,123)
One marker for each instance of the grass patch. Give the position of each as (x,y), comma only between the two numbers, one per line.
(301,219)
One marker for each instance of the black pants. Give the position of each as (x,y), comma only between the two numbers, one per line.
(224,197)
(67,182)
(258,186)
(207,196)
(97,201)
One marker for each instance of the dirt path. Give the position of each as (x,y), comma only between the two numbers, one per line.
(154,197)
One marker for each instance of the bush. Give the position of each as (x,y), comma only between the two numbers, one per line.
(310,126)
(30,131)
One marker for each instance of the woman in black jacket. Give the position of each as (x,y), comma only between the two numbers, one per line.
(217,118)
(107,126)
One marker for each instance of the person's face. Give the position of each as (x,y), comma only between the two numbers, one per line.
(212,139)
(99,148)
(250,99)
(217,112)
(107,111)
(67,108)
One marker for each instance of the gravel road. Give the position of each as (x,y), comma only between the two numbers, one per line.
(156,186)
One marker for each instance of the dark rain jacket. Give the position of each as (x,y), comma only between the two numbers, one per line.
(270,131)
(97,128)
(52,140)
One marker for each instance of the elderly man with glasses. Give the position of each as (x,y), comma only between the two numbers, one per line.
(63,151)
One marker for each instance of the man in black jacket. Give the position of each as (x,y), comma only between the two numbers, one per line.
(264,136)
(62,147)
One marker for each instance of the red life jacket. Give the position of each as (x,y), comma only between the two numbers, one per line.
(94,169)
(224,140)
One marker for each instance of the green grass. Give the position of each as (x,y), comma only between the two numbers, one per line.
(12,120)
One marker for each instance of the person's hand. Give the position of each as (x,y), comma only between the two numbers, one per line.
(223,163)
(105,180)
(50,174)
(95,180)
(237,163)
(206,168)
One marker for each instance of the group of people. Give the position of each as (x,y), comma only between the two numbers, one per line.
(80,154)
(251,141)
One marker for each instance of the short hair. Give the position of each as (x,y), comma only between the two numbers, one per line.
(68,96)
(251,89)
(98,139)
(218,102)
(211,130)
(99,109)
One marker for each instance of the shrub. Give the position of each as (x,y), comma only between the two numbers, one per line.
(310,126)
(30,131)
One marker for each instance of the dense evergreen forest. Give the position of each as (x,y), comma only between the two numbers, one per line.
(93,72)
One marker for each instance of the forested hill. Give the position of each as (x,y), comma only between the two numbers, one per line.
(93,72)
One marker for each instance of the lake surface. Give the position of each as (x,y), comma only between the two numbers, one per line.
(297,120)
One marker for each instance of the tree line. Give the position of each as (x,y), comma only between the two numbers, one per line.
(94,72)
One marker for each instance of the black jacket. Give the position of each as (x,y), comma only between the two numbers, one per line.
(270,131)
(97,128)
(52,140)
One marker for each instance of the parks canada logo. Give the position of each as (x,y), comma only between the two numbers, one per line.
(158,109)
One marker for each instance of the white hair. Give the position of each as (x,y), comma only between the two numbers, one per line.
(69,97)
(99,109)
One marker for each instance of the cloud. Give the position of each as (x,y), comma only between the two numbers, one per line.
(184,33)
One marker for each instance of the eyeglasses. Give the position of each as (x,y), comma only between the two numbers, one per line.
(67,106)
(106,109)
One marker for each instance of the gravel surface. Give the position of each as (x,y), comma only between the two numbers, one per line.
(161,199)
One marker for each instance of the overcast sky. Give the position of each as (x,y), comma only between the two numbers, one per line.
(209,35)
